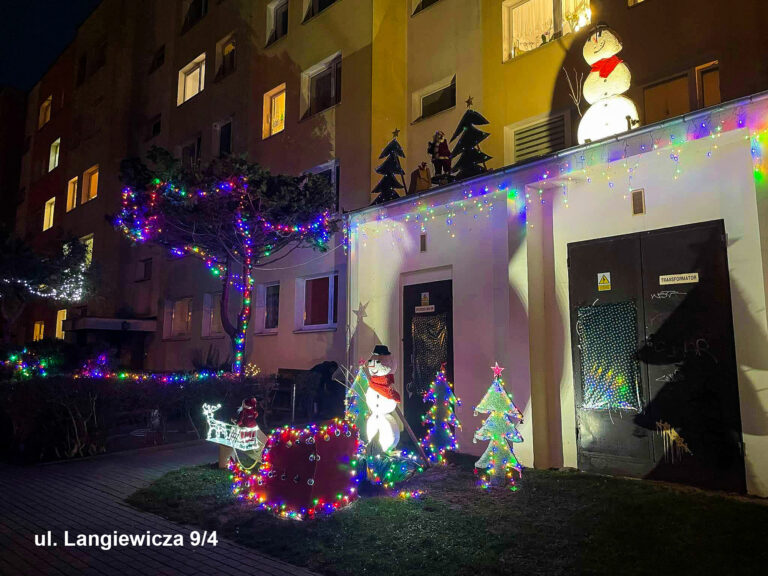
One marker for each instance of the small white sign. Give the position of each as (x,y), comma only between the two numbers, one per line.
(424,309)
(692,278)
(603,281)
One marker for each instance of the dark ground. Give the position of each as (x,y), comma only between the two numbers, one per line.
(557,523)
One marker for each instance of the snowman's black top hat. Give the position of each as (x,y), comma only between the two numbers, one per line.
(381,350)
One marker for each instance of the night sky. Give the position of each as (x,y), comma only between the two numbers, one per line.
(33,33)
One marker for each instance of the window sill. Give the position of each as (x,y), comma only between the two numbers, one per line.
(266,332)
(84,202)
(555,40)
(315,329)
(184,338)
(307,114)
(213,337)
(275,41)
(421,119)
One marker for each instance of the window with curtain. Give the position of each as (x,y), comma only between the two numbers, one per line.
(529,24)
(72,194)
(272,306)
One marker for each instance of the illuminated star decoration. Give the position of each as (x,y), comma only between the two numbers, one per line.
(497,370)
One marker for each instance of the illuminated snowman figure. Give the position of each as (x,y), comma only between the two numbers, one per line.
(382,399)
(610,113)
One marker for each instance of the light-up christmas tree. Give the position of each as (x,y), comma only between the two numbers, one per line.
(440,419)
(390,169)
(355,407)
(471,160)
(498,463)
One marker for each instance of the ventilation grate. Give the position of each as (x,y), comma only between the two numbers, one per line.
(423,243)
(638,202)
(540,139)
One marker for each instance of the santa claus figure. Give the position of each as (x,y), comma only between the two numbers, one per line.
(440,154)
(382,399)
(610,113)
(246,418)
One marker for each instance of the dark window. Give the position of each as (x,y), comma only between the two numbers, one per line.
(225,139)
(155,126)
(158,59)
(280,22)
(190,154)
(82,68)
(317,6)
(439,100)
(335,303)
(195,12)
(325,87)
(709,81)
(144,271)
(99,58)
(226,59)
(317,299)
(272,307)
(424,4)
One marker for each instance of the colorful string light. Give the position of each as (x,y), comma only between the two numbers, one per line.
(440,420)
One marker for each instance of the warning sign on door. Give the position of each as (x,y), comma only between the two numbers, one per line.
(603,281)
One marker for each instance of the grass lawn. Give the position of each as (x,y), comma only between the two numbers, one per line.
(557,523)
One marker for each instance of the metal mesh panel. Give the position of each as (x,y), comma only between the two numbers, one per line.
(430,347)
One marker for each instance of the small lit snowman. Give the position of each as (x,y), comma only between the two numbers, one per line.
(382,399)
(610,113)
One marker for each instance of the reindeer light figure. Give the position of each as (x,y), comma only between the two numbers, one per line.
(245,438)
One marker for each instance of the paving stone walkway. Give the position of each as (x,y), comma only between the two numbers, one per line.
(87,497)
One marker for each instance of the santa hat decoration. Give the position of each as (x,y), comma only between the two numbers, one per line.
(384,385)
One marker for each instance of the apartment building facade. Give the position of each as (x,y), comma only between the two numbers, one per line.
(319,85)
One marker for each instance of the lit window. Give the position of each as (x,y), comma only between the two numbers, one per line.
(191,79)
(320,301)
(274,112)
(45,112)
(88,242)
(225,57)
(277,20)
(321,85)
(528,24)
(212,314)
(50,205)
(53,158)
(667,99)
(178,317)
(61,316)
(72,193)
(38,331)
(90,184)
(437,98)
(313,7)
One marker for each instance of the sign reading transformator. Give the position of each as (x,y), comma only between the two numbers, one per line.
(691,278)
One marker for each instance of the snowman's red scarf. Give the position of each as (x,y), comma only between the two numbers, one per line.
(384,385)
(606,66)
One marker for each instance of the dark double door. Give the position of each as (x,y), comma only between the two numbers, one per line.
(427,343)
(655,372)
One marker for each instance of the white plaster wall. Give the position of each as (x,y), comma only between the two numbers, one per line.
(489,296)
(712,183)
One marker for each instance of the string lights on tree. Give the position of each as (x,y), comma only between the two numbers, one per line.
(232,215)
(440,420)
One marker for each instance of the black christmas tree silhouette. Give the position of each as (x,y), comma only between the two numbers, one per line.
(472,160)
(389,170)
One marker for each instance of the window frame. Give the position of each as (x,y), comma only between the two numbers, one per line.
(260,318)
(49,212)
(434,88)
(333,302)
(85,189)
(196,64)
(332,64)
(143,270)
(211,305)
(334,167)
(266,127)
(87,240)
(312,9)
(272,28)
(72,187)
(54,157)
(44,112)
(187,22)
(222,68)
(169,311)
(700,71)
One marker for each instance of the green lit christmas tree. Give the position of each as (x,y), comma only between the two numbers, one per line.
(498,463)
(390,169)
(471,160)
(440,419)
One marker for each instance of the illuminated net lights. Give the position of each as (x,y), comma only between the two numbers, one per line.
(26,364)
(255,487)
(440,420)
(410,494)
(388,469)
(498,463)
